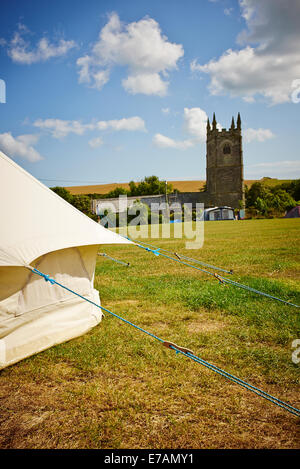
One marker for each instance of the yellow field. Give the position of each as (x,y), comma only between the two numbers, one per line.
(182,186)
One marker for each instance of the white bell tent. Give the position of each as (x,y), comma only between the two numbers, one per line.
(41,230)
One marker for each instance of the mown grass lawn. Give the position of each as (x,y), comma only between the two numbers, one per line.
(118,388)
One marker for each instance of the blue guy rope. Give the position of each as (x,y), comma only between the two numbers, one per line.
(179,256)
(186,352)
(113,259)
(219,277)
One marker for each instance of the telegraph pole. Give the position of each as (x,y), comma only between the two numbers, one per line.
(166,185)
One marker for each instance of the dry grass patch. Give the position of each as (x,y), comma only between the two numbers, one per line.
(205,326)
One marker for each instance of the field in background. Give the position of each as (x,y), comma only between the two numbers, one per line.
(182,186)
(118,388)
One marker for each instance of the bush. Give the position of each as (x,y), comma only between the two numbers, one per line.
(81,202)
(151,185)
(269,201)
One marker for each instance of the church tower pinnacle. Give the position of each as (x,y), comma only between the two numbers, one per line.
(214,122)
(239,122)
(208,125)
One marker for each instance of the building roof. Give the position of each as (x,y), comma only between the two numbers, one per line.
(218,208)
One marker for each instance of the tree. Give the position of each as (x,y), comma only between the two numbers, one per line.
(116,192)
(261,206)
(133,188)
(280,200)
(64,193)
(151,185)
(292,188)
(139,212)
(257,189)
(81,202)
(270,200)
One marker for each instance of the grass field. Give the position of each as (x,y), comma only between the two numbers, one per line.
(182,186)
(118,388)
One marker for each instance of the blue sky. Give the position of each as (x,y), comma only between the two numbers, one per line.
(112,91)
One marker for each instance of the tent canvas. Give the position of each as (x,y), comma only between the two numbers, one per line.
(219,213)
(294,212)
(41,230)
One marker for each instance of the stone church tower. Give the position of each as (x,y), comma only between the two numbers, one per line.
(224,165)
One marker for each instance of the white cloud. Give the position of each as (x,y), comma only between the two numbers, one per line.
(21,146)
(138,46)
(22,52)
(269,67)
(248,99)
(130,123)
(61,128)
(162,141)
(145,83)
(194,124)
(195,120)
(84,72)
(293,164)
(165,110)
(259,135)
(100,79)
(228,11)
(96,142)
(195,67)
(282,169)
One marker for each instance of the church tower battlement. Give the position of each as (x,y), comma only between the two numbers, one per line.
(224,165)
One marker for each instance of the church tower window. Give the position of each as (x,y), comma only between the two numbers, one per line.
(226,149)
